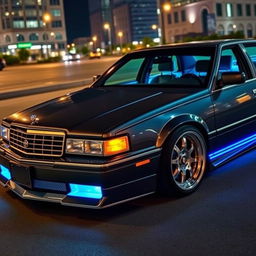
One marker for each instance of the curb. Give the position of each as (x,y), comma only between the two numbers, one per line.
(42,89)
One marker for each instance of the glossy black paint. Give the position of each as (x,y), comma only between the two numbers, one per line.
(148,116)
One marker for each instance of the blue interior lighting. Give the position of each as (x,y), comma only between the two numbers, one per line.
(5,172)
(85,191)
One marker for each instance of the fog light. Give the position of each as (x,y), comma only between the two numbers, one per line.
(5,172)
(86,191)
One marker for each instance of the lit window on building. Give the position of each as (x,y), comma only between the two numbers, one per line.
(219,9)
(18,24)
(229,10)
(32,24)
(56,12)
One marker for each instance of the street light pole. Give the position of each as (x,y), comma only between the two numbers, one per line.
(46,20)
(94,39)
(108,28)
(120,35)
(165,7)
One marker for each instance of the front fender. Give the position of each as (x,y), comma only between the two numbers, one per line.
(184,119)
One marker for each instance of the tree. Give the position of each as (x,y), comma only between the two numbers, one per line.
(84,50)
(23,54)
(147,41)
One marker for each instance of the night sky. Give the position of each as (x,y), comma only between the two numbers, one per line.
(77,19)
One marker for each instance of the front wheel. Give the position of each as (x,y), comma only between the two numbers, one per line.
(183,162)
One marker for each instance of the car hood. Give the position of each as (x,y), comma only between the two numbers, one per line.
(96,110)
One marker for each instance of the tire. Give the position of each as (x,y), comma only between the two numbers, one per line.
(183,162)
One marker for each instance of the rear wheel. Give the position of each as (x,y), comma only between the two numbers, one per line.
(183,162)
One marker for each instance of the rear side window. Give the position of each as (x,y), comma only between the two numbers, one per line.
(251,52)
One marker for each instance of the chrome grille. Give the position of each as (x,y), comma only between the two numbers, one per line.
(37,142)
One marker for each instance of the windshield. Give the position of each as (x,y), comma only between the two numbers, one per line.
(178,67)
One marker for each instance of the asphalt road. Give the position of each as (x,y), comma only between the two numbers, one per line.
(30,76)
(218,220)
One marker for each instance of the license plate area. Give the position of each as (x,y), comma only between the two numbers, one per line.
(21,174)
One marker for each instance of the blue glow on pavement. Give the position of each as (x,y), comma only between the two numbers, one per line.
(94,192)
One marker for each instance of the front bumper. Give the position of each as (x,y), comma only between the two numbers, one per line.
(42,180)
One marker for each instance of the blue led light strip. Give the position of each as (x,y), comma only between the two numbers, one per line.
(244,142)
(5,172)
(77,190)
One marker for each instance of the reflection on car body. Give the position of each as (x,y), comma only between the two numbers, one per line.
(158,119)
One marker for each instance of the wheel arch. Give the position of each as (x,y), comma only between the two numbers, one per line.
(181,120)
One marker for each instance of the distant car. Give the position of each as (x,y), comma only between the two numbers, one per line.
(71,57)
(2,64)
(94,55)
(156,120)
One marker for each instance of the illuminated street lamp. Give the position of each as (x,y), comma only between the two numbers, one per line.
(46,19)
(120,35)
(94,40)
(154,27)
(164,8)
(108,28)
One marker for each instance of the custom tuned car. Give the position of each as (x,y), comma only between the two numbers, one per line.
(156,120)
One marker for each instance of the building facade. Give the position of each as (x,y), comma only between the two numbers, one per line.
(37,25)
(205,17)
(130,20)
(101,13)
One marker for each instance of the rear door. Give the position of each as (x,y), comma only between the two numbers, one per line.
(235,105)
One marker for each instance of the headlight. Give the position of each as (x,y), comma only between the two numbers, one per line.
(97,148)
(4,132)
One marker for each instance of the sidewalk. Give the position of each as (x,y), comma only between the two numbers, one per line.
(36,89)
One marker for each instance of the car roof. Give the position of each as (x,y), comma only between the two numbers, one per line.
(196,44)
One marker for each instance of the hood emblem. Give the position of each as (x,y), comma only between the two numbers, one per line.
(34,119)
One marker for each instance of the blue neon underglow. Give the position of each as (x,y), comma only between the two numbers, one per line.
(241,143)
(5,172)
(94,192)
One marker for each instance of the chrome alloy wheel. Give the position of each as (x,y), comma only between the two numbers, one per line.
(188,160)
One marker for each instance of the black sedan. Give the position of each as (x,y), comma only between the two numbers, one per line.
(156,120)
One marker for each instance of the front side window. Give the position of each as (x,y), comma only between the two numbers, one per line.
(181,67)
(127,74)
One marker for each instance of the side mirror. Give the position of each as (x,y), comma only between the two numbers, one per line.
(229,78)
(95,78)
